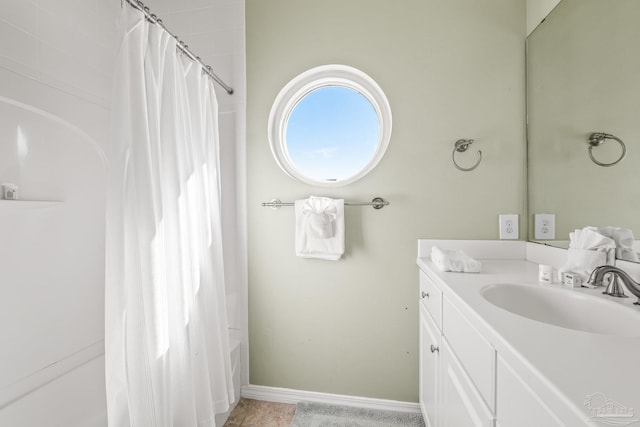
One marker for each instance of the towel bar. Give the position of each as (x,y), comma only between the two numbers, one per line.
(376,203)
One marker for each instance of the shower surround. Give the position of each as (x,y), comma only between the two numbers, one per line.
(55,94)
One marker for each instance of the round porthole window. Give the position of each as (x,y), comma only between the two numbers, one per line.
(330,126)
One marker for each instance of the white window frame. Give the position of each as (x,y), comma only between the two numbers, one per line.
(310,80)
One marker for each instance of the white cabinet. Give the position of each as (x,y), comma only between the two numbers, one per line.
(519,405)
(475,353)
(460,403)
(448,395)
(464,381)
(431,298)
(430,347)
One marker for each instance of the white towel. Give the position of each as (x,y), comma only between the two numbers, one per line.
(457,261)
(623,237)
(320,228)
(588,249)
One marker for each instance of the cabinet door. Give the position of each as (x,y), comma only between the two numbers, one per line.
(429,364)
(460,403)
(473,351)
(518,404)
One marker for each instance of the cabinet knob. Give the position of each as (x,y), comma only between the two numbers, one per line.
(425,294)
(434,348)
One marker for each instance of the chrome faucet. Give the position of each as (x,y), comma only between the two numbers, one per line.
(613,288)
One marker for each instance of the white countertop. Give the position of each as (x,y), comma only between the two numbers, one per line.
(570,364)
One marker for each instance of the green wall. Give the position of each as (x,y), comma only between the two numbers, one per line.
(451,69)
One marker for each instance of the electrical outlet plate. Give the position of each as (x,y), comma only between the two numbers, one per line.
(508,226)
(544,226)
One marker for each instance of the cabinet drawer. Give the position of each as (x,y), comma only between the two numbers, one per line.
(431,297)
(474,352)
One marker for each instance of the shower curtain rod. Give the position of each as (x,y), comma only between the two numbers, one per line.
(181,45)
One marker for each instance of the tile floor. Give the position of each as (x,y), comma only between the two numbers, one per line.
(258,413)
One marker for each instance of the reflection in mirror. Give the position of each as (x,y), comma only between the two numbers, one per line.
(583,76)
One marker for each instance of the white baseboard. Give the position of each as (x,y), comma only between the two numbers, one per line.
(287,395)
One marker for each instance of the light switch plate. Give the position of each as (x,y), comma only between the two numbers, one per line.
(544,226)
(508,226)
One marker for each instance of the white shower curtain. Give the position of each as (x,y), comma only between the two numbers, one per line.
(166,337)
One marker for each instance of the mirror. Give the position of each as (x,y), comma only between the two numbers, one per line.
(583,76)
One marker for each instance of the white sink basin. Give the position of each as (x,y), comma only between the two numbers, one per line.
(565,308)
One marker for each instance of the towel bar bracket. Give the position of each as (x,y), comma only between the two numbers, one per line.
(378,203)
(274,204)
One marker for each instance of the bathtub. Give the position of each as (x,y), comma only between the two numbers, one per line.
(235,347)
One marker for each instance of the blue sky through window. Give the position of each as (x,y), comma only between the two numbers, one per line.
(332,133)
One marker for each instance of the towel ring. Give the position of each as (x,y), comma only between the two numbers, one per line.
(597,138)
(461,146)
